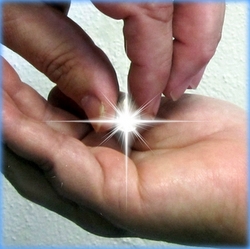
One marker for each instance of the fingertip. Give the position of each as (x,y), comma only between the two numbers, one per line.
(193,86)
(94,109)
(99,112)
(155,105)
(149,106)
(175,91)
(174,96)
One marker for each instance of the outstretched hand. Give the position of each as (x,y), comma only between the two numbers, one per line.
(189,187)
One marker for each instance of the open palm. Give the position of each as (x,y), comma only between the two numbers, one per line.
(187,184)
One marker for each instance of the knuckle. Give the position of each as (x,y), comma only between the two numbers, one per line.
(203,52)
(158,11)
(63,70)
(57,65)
(206,54)
(209,45)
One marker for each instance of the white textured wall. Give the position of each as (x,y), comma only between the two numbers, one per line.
(26,223)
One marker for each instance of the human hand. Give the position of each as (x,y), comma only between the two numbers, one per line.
(160,64)
(189,187)
(59,48)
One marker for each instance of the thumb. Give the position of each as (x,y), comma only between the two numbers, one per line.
(60,49)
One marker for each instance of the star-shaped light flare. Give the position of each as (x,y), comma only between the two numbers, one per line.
(126,123)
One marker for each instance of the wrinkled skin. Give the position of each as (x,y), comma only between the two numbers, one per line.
(60,49)
(190,187)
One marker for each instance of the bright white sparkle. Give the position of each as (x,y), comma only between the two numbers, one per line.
(128,117)
(126,123)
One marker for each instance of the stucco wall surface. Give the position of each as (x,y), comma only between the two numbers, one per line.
(28,224)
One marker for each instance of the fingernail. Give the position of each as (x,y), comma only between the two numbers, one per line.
(155,106)
(176,93)
(192,86)
(94,109)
